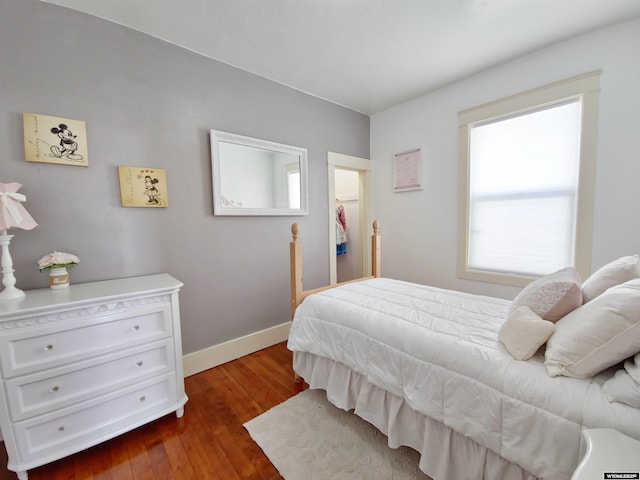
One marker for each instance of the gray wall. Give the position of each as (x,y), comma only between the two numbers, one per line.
(150,103)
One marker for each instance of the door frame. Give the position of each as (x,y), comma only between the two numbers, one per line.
(363,167)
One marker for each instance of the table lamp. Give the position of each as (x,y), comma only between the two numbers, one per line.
(12,215)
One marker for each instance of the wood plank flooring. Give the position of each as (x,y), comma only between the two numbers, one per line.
(207,443)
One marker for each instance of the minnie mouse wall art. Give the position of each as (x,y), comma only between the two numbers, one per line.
(55,140)
(143,186)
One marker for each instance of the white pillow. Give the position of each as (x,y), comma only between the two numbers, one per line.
(612,274)
(624,386)
(524,332)
(597,335)
(551,296)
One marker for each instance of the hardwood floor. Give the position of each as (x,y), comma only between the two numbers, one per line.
(207,443)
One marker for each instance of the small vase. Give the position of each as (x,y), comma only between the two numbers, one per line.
(58,278)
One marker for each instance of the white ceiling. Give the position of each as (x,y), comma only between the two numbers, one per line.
(367,55)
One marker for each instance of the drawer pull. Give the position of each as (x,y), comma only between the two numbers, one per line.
(61,429)
(48,347)
(143,398)
(55,388)
(136,327)
(139,363)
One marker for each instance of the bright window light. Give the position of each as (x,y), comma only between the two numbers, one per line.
(523,186)
(527,179)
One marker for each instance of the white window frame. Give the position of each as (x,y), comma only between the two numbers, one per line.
(585,87)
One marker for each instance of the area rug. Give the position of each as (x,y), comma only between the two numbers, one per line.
(308,438)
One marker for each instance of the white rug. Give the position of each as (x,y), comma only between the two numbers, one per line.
(308,438)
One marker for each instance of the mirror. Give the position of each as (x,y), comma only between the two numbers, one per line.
(257,177)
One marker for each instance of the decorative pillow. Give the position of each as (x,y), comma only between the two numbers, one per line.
(624,386)
(597,335)
(524,332)
(552,296)
(612,274)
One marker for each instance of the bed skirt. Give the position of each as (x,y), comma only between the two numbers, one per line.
(445,454)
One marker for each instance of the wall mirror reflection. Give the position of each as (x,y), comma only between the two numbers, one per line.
(257,177)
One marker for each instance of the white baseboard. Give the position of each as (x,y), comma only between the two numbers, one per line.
(239,347)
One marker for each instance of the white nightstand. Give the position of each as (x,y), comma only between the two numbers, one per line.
(608,451)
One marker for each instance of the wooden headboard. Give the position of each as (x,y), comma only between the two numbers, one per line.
(298,294)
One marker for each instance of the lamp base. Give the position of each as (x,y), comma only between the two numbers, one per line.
(8,278)
(11,293)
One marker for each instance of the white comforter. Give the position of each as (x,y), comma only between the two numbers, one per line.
(439,350)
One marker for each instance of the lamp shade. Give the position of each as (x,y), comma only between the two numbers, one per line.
(12,212)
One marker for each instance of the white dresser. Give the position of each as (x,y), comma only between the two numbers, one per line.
(82,365)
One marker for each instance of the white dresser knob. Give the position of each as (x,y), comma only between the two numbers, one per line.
(61,429)
(139,363)
(55,388)
(143,398)
(48,347)
(136,327)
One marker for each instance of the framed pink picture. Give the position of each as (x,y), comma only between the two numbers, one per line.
(407,171)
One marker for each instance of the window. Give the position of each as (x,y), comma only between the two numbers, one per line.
(527,193)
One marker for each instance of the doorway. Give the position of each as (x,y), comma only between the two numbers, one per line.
(348,186)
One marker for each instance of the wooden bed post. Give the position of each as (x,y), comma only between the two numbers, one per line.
(298,294)
(375,250)
(295,261)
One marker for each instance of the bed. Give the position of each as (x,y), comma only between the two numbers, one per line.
(436,370)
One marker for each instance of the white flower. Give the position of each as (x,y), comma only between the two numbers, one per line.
(57,259)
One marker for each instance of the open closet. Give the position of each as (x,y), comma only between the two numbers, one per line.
(348,181)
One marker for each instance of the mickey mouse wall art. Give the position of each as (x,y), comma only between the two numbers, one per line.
(55,140)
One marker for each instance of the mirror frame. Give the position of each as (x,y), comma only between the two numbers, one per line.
(219,208)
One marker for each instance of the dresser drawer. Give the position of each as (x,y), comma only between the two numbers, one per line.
(73,429)
(43,392)
(65,341)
